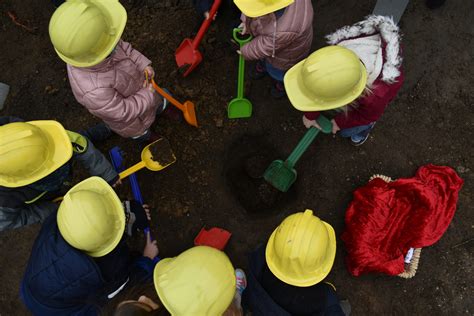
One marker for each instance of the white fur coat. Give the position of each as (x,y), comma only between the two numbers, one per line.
(388,30)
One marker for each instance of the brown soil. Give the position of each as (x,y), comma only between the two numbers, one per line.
(431,121)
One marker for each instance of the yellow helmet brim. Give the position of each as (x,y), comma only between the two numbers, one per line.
(118,18)
(310,278)
(256,8)
(305,100)
(99,185)
(61,149)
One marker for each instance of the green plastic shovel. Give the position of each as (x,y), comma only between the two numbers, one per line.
(240,107)
(281,174)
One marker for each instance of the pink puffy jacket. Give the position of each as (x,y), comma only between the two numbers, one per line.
(282,42)
(113,91)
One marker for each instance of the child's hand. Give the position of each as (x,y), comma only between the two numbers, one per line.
(206,16)
(150,72)
(117,183)
(243,27)
(310,123)
(146,207)
(335,127)
(151,248)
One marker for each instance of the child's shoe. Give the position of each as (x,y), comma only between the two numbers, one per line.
(278,90)
(258,72)
(358,140)
(241,281)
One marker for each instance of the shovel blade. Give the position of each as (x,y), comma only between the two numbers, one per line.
(189,113)
(214,237)
(158,155)
(239,108)
(280,176)
(187,56)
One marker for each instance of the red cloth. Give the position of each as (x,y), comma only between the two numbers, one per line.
(385,220)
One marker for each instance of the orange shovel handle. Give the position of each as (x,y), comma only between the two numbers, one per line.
(167,96)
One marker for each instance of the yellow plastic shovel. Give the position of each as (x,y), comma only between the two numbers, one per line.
(155,157)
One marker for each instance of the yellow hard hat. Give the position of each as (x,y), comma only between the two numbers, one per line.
(301,250)
(329,78)
(199,282)
(91,217)
(85,32)
(255,8)
(29,151)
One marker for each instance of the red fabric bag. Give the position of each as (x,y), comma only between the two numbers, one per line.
(386,219)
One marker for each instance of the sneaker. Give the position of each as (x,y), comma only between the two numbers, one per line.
(258,72)
(241,281)
(358,140)
(278,90)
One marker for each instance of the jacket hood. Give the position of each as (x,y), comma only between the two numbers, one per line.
(388,30)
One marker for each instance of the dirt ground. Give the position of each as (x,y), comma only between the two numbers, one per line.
(431,121)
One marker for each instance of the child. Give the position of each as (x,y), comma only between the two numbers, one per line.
(285,278)
(283,33)
(200,281)
(360,77)
(107,75)
(80,259)
(35,164)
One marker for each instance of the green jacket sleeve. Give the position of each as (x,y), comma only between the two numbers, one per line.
(91,158)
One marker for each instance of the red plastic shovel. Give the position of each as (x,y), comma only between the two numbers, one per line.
(187,55)
(214,237)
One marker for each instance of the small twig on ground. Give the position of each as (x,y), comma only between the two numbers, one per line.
(463,243)
(15,20)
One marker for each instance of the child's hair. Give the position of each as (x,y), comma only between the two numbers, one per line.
(134,308)
(354,104)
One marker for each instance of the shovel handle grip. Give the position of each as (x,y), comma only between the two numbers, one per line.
(205,25)
(132,169)
(241,42)
(168,97)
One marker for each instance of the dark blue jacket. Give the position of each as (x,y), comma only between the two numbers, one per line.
(319,299)
(61,280)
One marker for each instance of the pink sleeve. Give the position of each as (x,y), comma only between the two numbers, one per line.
(138,58)
(108,104)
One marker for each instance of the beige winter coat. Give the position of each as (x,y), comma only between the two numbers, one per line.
(283,42)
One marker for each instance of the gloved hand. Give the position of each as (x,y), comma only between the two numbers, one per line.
(138,216)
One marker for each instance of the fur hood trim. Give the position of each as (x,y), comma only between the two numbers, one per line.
(389,32)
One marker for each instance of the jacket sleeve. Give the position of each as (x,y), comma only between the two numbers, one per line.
(26,214)
(142,269)
(370,108)
(109,105)
(96,163)
(138,58)
(264,46)
(312,115)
